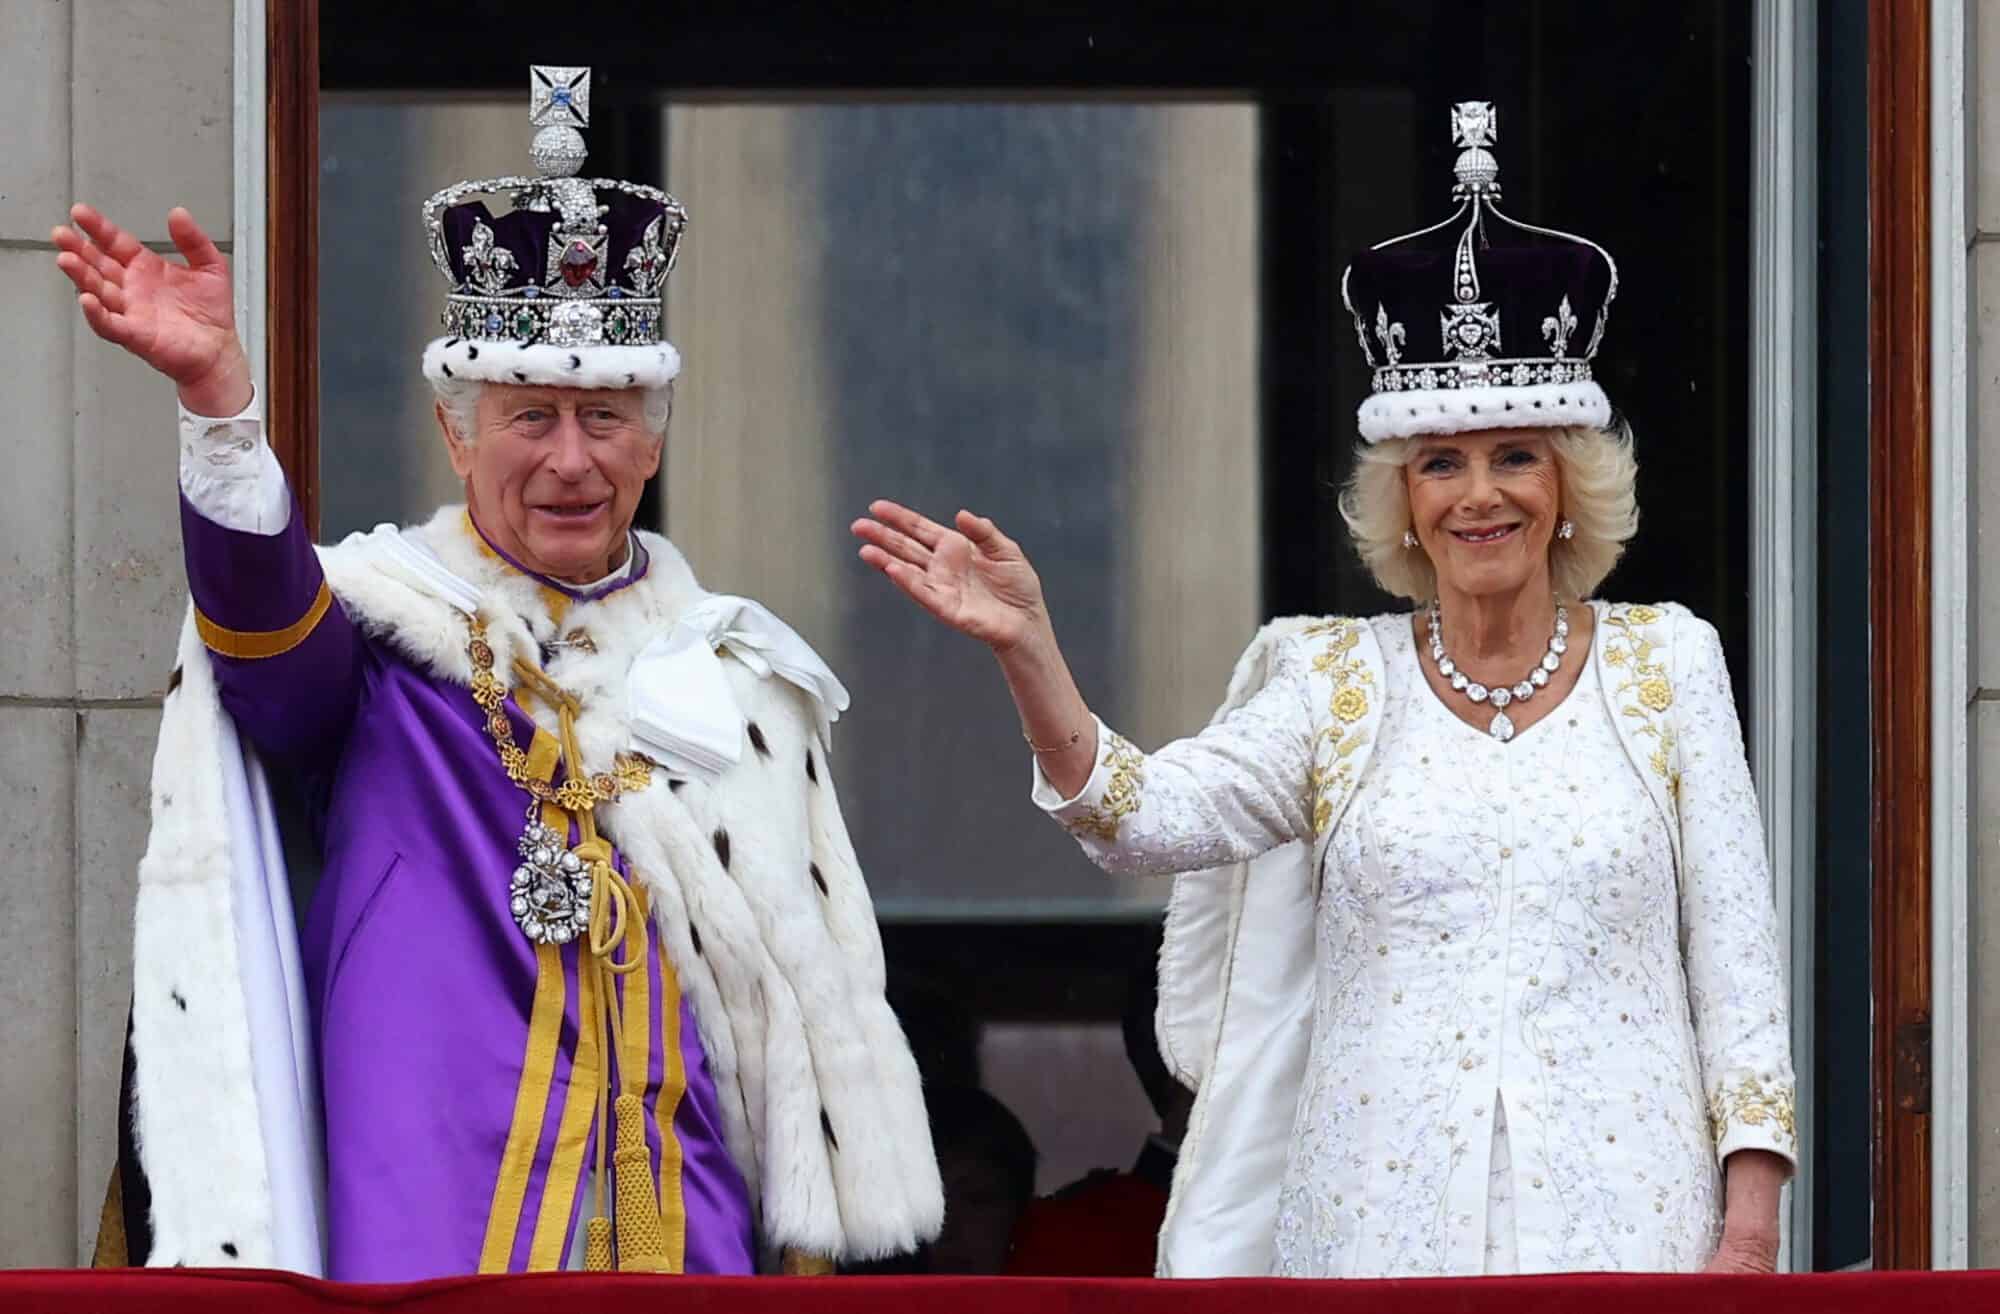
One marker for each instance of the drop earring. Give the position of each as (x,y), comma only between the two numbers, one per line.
(1566,530)
(1409,539)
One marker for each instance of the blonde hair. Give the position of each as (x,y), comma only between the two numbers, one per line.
(1598,474)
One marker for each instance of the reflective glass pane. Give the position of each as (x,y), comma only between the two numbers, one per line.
(1044,310)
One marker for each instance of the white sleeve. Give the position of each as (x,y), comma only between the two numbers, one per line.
(1239,788)
(230,474)
(1729,923)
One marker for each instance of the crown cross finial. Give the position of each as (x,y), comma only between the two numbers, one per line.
(558,104)
(558,96)
(1475,125)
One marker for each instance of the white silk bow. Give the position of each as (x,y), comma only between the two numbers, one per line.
(678,703)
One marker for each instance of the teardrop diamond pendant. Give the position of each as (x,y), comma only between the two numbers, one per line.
(1501,727)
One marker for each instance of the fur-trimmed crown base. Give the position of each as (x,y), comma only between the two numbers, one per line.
(1387,415)
(649,365)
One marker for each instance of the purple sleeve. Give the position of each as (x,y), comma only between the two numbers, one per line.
(287,659)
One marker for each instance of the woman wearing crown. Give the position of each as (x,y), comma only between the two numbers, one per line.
(1494,985)
(589,977)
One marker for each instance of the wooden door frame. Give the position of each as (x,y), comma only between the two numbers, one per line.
(1900,571)
(292,245)
(1899,113)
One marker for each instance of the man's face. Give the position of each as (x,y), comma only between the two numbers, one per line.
(553,475)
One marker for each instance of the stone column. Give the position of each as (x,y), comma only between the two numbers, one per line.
(1982,116)
(125,103)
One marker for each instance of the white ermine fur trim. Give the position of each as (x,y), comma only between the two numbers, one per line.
(1388,415)
(196,1121)
(821,1101)
(647,365)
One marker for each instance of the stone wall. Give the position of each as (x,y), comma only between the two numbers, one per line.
(125,103)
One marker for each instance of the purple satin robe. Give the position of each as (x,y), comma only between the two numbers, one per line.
(421,986)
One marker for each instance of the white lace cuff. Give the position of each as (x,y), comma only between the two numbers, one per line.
(230,475)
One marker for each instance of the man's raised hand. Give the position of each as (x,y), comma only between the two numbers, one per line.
(179,319)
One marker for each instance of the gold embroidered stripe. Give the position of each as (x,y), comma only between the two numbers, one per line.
(531,1097)
(253,644)
(586,1075)
(673,1084)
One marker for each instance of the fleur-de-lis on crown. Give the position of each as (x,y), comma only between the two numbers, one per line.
(487,267)
(1558,327)
(1391,334)
(646,264)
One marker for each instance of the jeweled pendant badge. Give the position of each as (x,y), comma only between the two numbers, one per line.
(549,894)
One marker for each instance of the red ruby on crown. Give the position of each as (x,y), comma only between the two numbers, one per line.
(578,264)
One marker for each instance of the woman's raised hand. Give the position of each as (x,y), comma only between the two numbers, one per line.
(179,319)
(973,578)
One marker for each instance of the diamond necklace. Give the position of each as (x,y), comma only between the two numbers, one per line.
(1502,726)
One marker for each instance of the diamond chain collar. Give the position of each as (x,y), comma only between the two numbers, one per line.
(1501,697)
(550,894)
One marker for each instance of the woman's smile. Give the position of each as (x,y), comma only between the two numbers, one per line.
(1483,537)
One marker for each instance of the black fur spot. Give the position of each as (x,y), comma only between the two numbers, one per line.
(174,680)
(675,785)
(447,370)
(229,1248)
(180,1000)
(451,342)
(812,772)
(522,375)
(631,380)
(166,801)
(694,934)
(722,847)
(1475,410)
(826,1125)
(471,352)
(575,362)
(818,879)
(757,740)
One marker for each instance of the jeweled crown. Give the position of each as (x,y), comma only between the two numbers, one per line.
(576,262)
(1481,321)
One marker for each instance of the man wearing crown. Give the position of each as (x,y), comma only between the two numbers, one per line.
(589,976)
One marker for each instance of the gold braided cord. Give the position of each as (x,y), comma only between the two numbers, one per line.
(634,1228)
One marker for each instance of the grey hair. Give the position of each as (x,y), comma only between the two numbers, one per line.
(1599,476)
(460,400)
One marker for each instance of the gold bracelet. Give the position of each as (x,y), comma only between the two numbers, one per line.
(1039,750)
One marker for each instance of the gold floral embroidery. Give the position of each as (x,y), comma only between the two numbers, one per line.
(1753,1102)
(1101,820)
(1331,775)
(1350,704)
(1630,648)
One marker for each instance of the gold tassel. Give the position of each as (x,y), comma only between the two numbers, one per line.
(597,1245)
(642,1240)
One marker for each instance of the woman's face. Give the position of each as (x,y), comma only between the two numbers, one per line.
(1484,506)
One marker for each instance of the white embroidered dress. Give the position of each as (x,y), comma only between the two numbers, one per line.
(1531,1045)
